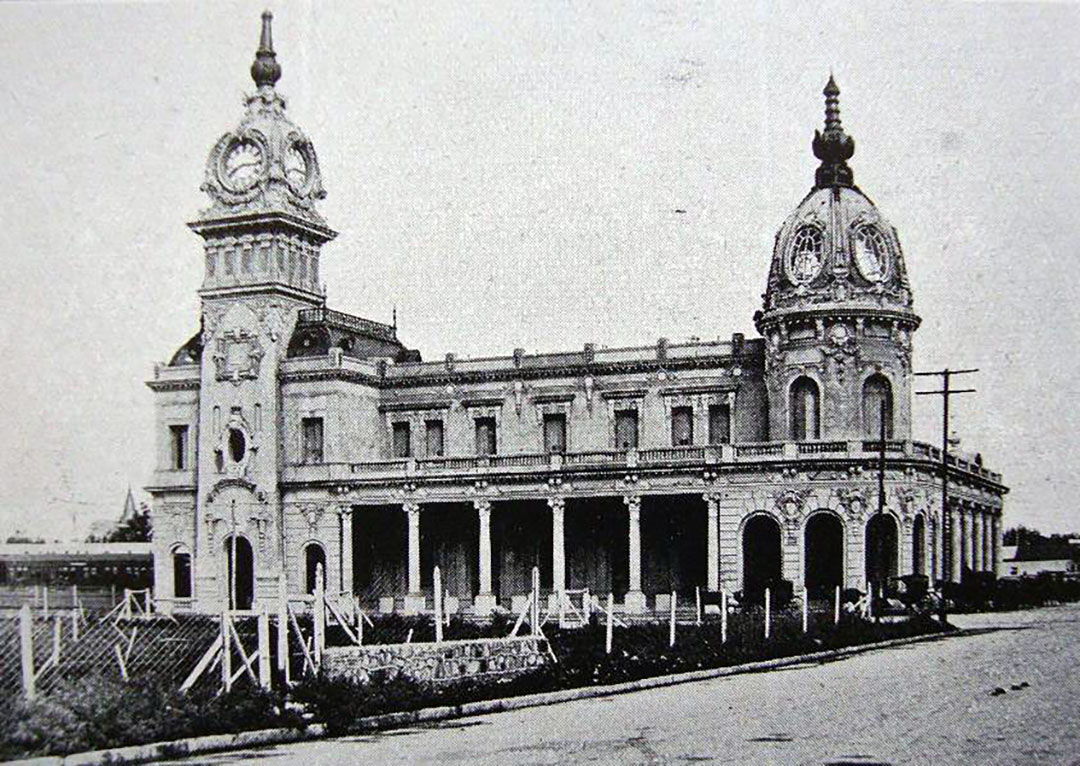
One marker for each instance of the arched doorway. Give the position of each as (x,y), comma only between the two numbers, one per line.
(314,557)
(882,549)
(918,545)
(824,553)
(242,575)
(761,553)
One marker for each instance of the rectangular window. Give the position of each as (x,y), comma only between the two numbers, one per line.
(719,424)
(178,439)
(402,439)
(626,429)
(555,432)
(434,429)
(485,436)
(682,426)
(312,429)
(181,575)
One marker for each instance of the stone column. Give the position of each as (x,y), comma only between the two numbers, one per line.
(988,541)
(414,601)
(712,531)
(976,540)
(955,545)
(635,598)
(995,541)
(346,552)
(485,599)
(558,547)
(963,527)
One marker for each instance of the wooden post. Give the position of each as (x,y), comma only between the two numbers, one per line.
(768,605)
(671,624)
(75,596)
(127,603)
(57,639)
(836,607)
(359,621)
(319,615)
(75,625)
(697,596)
(283,627)
(869,601)
(805,610)
(45,602)
(610,620)
(536,601)
(226,652)
(112,594)
(26,650)
(723,616)
(437,579)
(264,648)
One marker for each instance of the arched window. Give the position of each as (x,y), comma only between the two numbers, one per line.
(876,392)
(805,410)
(181,561)
(314,557)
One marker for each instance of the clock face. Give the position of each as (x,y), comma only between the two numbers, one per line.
(296,167)
(807,254)
(871,253)
(243,164)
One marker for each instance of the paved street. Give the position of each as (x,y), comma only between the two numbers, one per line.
(928,703)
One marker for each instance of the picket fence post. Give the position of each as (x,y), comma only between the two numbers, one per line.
(723,616)
(768,605)
(283,628)
(671,625)
(26,647)
(610,620)
(437,580)
(319,615)
(836,607)
(805,610)
(226,652)
(264,648)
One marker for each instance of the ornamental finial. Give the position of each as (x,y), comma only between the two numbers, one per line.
(832,146)
(265,70)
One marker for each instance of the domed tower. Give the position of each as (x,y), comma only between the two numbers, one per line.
(837,316)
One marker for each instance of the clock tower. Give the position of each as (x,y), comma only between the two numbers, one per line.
(837,316)
(262,238)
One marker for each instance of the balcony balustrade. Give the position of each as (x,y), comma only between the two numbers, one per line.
(572,462)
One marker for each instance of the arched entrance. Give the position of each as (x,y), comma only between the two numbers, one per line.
(918,545)
(242,575)
(882,549)
(761,553)
(824,554)
(314,557)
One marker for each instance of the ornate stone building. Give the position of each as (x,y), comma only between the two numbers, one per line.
(291,435)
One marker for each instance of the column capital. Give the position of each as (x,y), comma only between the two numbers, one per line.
(556,503)
(344,510)
(483,507)
(712,502)
(411,507)
(633,503)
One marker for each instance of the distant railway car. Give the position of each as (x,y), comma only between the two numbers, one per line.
(124,565)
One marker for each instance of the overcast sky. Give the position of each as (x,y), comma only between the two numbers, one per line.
(506,174)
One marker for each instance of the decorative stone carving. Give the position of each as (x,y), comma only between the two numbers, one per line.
(238,356)
(854,502)
(791,505)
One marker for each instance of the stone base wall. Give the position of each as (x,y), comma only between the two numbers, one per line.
(447,661)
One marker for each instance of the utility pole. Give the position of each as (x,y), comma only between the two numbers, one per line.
(882,570)
(946,521)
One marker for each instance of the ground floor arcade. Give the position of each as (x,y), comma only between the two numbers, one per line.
(639,547)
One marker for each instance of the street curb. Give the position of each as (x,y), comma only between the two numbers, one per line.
(262,737)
